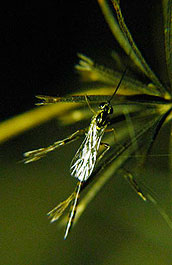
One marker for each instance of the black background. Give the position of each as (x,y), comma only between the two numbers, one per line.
(40,44)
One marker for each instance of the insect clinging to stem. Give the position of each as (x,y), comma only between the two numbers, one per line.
(85,158)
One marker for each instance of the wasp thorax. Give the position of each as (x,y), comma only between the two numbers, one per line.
(106,107)
(102,117)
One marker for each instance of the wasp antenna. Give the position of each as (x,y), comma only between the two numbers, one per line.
(122,77)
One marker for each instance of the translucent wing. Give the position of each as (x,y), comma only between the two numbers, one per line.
(84,161)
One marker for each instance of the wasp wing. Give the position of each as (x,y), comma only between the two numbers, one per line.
(84,161)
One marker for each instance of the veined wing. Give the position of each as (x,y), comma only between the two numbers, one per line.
(84,161)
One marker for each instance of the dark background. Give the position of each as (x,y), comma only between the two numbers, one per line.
(39,45)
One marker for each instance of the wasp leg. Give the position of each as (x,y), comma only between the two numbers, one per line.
(34,155)
(114,132)
(129,177)
(149,197)
(88,103)
(107,147)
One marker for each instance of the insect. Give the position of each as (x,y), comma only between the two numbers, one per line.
(85,158)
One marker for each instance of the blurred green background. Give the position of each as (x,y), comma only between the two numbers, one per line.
(40,46)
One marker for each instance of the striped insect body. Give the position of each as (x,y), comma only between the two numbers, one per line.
(85,159)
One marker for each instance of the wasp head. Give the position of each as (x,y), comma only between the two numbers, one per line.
(105,110)
(106,107)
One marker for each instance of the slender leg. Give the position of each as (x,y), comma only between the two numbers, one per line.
(34,155)
(149,197)
(107,146)
(86,99)
(129,177)
(114,132)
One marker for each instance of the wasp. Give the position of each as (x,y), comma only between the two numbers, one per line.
(85,158)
